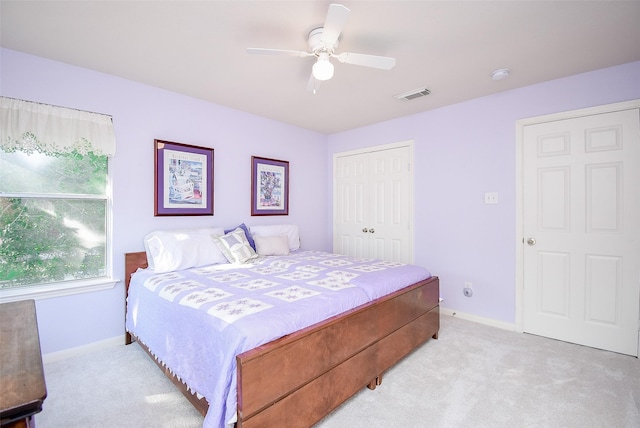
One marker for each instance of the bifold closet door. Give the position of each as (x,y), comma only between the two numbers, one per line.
(372,205)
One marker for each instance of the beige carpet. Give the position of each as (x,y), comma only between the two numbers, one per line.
(473,376)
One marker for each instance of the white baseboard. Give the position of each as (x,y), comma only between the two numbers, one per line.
(480,320)
(119,340)
(82,350)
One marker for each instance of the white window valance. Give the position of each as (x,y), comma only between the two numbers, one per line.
(28,126)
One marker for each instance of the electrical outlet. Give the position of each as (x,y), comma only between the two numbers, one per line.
(468,289)
(491,198)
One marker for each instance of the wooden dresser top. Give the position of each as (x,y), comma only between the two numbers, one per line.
(22,385)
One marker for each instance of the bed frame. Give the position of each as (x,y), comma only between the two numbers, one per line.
(300,378)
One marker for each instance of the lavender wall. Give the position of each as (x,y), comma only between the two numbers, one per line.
(463,151)
(140,115)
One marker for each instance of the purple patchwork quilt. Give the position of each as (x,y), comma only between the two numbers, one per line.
(196,321)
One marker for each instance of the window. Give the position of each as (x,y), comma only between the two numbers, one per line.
(55,205)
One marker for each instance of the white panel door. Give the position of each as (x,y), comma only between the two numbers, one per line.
(581,207)
(390,205)
(373,205)
(351,214)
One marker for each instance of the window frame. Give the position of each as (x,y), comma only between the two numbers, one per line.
(67,288)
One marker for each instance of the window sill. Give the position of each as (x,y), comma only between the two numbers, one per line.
(46,291)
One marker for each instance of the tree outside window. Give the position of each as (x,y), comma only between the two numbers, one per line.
(52,217)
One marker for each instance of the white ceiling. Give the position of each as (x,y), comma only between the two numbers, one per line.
(451,47)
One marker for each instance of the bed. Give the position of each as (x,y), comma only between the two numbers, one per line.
(353,330)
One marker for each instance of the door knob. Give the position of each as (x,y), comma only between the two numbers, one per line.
(372,231)
(365,230)
(531,242)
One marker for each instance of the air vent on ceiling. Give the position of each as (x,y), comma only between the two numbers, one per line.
(416,93)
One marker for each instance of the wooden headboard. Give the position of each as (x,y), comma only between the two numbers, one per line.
(132,262)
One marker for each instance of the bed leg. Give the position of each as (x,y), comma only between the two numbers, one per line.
(127,338)
(435,335)
(375,382)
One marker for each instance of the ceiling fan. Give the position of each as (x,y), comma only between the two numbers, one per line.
(323,42)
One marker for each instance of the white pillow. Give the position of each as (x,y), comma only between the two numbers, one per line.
(290,230)
(272,245)
(235,246)
(169,250)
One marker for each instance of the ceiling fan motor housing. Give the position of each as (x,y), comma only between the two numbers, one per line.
(315,42)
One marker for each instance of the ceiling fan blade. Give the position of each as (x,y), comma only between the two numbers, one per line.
(333,23)
(374,61)
(284,52)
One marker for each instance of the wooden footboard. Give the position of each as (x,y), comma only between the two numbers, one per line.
(302,377)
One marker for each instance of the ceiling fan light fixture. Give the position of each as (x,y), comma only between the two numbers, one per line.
(323,69)
(323,42)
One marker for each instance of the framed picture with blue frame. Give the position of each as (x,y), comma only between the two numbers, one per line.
(269,186)
(183,179)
